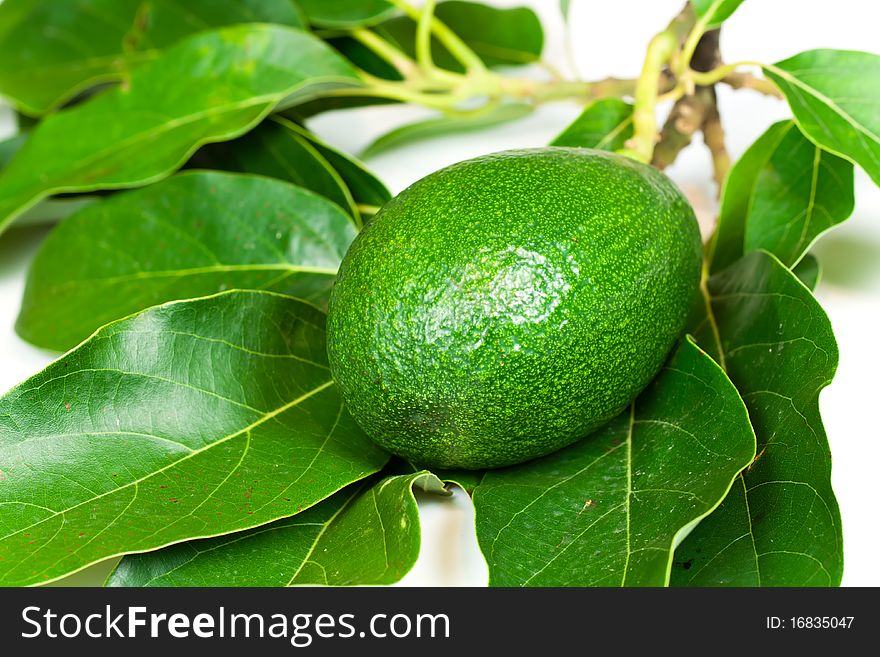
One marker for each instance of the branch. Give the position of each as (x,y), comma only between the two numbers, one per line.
(695,111)
(687,116)
(713,137)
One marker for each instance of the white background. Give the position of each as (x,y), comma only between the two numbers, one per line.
(609,40)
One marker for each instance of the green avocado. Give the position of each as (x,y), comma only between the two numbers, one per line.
(506,306)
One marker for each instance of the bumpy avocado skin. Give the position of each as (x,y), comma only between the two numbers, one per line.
(506,306)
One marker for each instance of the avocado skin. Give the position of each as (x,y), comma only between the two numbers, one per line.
(506,306)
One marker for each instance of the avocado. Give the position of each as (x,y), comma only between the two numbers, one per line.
(506,306)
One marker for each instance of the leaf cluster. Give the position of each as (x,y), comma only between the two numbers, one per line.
(192,424)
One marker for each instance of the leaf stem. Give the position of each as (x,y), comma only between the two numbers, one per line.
(367,209)
(745,80)
(690,43)
(660,49)
(423,37)
(717,74)
(386,50)
(450,40)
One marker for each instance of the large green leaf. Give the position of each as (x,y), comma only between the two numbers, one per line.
(346,14)
(445,125)
(274,150)
(786,193)
(779,525)
(500,37)
(835,98)
(604,124)
(364,535)
(191,235)
(50,50)
(209,87)
(608,510)
(192,419)
(715,12)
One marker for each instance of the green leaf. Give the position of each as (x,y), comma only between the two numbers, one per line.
(189,420)
(604,124)
(364,186)
(444,125)
(363,535)
(191,235)
(608,510)
(784,195)
(50,51)
(346,14)
(728,242)
(140,133)
(715,12)
(500,37)
(802,192)
(835,98)
(274,150)
(809,271)
(282,149)
(780,525)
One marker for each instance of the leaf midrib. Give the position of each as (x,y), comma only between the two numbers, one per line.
(197,271)
(818,95)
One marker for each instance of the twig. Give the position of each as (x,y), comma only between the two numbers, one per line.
(662,51)
(713,136)
(696,111)
(687,116)
(744,80)
(423,37)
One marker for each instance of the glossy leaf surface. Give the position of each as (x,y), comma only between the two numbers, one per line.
(604,124)
(779,525)
(835,98)
(192,419)
(446,125)
(191,235)
(607,511)
(143,131)
(364,535)
(786,192)
(50,50)
(715,12)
